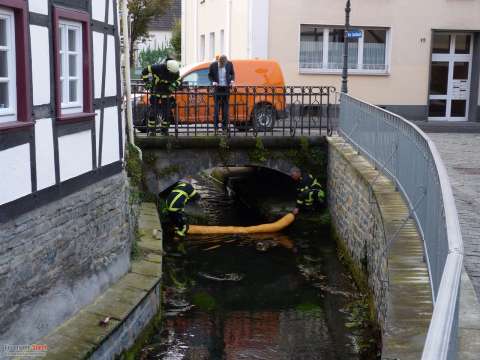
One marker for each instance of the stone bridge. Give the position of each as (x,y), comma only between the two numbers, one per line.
(167,159)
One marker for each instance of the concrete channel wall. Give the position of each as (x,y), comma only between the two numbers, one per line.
(56,259)
(371,221)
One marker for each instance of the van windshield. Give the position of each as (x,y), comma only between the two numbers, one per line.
(197,78)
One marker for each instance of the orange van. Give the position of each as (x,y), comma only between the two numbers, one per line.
(256,100)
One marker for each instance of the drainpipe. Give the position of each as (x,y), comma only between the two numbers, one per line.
(127,78)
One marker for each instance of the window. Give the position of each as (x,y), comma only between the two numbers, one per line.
(201,54)
(15,97)
(8,78)
(197,78)
(212,45)
(222,42)
(321,50)
(71,82)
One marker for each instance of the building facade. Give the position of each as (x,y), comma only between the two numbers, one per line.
(64,233)
(419,59)
(160,29)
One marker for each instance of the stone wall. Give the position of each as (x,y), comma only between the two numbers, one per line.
(374,227)
(358,223)
(167,160)
(58,258)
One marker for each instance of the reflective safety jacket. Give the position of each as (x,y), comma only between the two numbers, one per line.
(309,191)
(161,82)
(180,195)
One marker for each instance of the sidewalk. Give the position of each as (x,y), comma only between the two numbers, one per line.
(460,155)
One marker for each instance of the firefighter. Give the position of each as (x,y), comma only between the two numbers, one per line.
(309,191)
(161,80)
(178,198)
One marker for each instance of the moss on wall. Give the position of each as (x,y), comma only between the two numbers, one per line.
(362,312)
(358,274)
(259,155)
(309,158)
(153,327)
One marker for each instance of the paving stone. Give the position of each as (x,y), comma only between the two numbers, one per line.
(460,152)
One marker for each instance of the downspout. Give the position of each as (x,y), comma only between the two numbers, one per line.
(127,78)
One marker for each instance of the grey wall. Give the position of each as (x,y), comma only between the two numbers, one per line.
(59,257)
(166,162)
(358,222)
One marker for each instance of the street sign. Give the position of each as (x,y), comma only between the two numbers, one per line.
(354,34)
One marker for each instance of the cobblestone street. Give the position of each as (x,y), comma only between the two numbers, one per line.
(460,154)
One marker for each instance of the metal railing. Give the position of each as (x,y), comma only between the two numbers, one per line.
(404,153)
(253,110)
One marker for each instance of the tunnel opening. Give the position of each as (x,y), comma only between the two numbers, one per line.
(266,296)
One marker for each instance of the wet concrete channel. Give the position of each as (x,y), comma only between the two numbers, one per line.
(270,296)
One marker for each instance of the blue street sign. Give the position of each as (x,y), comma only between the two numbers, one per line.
(354,34)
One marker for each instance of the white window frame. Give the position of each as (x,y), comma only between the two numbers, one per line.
(69,107)
(212,45)
(10,113)
(201,52)
(222,42)
(325,70)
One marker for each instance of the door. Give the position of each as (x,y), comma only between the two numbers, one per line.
(450,76)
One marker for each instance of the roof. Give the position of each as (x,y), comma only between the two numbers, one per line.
(167,21)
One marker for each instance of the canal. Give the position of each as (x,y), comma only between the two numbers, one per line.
(277,296)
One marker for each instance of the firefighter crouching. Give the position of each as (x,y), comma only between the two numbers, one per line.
(161,80)
(178,198)
(310,194)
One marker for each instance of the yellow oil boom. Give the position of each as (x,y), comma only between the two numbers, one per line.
(257,229)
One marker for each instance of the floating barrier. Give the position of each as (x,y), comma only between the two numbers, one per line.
(257,229)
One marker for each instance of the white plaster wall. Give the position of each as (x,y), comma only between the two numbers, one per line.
(38,6)
(110,148)
(44,153)
(189,32)
(15,178)
(98,10)
(411,23)
(110,12)
(239,29)
(111,73)
(231,16)
(258,41)
(75,154)
(39,44)
(97,63)
(124,127)
(97,135)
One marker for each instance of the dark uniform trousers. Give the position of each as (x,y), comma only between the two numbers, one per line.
(176,201)
(162,84)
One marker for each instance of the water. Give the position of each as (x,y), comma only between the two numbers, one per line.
(291,298)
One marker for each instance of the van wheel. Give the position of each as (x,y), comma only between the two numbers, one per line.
(264,116)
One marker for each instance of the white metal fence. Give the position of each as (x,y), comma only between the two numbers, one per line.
(404,153)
